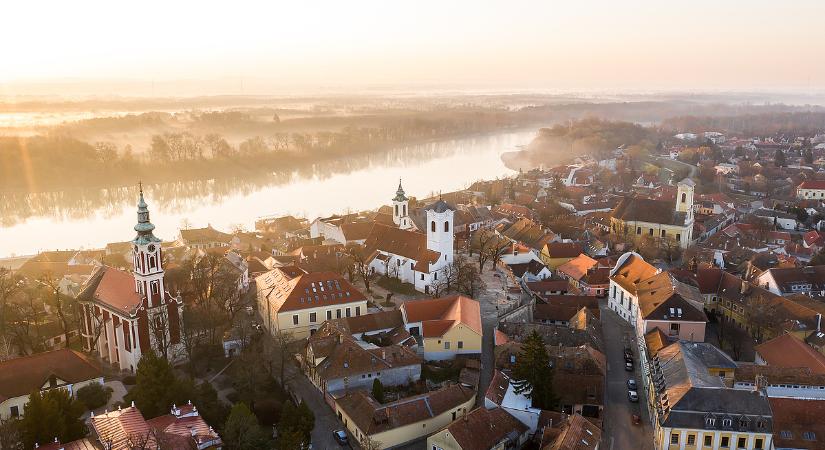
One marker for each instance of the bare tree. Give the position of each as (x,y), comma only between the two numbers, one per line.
(368,443)
(361,265)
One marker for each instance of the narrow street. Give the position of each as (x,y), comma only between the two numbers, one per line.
(325,420)
(619,431)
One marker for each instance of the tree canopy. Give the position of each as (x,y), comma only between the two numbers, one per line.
(52,414)
(532,373)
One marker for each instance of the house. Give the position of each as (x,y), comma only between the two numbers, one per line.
(444,327)
(794,280)
(125,314)
(577,433)
(636,216)
(692,407)
(182,429)
(811,189)
(648,298)
(780,219)
(204,238)
(65,369)
(560,309)
(481,429)
(528,233)
(798,423)
(501,394)
(395,423)
(586,275)
(787,382)
(554,254)
(548,287)
(294,301)
(411,256)
(335,361)
(789,351)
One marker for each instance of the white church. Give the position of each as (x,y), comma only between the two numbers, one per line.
(414,257)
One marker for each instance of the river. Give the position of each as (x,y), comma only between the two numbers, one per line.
(91,219)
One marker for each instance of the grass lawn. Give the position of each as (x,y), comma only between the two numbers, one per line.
(395,285)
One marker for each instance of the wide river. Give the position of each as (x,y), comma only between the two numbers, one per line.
(91,219)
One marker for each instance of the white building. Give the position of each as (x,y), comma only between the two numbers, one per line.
(413,257)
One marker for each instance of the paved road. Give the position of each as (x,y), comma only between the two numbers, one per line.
(325,420)
(619,431)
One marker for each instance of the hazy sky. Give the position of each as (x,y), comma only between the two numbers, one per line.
(583,44)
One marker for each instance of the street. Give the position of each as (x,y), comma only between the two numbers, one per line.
(619,431)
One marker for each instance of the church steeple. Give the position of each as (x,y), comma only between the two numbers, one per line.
(399,194)
(144,227)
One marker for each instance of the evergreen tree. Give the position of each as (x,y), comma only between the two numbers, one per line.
(378,390)
(298,420)
(157,388)
(242,431)
(779,158)
(809,156)
(532,373)
(52,414)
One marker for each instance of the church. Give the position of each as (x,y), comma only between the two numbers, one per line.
(637,216)
(126,314)
(413,257)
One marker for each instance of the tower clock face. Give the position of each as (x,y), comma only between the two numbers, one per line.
(151,247)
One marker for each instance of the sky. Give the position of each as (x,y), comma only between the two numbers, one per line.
(242,46)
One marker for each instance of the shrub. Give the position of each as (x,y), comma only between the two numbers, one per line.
(94,395)
(129,380)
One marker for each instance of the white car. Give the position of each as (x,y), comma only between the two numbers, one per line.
(633,396)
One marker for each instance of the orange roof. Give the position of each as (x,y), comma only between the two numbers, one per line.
(20,376)
(789,351)
(578,266)
(116,289)
(409,244)
(307,290)
(444,313)
(633,270)
(119,426)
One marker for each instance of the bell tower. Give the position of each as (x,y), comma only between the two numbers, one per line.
(684,197)
(440,234)
(400,205)
(146,252)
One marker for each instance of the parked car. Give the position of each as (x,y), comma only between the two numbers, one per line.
(628,366)
(631,384)
(341,437)
(628,354)
(633,396)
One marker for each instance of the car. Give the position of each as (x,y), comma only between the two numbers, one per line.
(631,384)
(633,396)
(341,437)
(628,366)
(628,354)
(628,360)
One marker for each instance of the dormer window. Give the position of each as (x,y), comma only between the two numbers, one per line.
(710,422)
(727,423)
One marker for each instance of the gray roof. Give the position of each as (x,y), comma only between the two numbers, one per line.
(439,206)
(689,394)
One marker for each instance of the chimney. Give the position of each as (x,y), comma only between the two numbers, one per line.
(340,338)
(744,288)
(383,354)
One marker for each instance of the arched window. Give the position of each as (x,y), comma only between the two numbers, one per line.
(152,262)
(446,226)
(396,210)
(684,197)
(432,226)
(405,210)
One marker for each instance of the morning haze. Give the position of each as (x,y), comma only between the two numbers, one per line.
(430,225)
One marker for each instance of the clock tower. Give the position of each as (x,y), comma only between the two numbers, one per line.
(148,266)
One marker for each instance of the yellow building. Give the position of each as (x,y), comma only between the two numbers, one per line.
(445,327)
(294,301)
(692,408)
(637,217)
(555,254)
(404,420)
(58,369)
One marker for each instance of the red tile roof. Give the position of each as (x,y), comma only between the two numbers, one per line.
(286,292)
(409,244)
(789,351)
(798,416)
(812,184)
(444,312)
(21,376)
(483,428)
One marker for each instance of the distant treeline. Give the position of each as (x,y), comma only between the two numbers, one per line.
(805,123)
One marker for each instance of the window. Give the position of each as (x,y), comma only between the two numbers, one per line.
(313,317)
(357,311)
(684,197)
(396,210)
(295,319)
(663,233)
(446,345)
(432,226)
(152,262)
(349,312)
(679,237)
(809,435)
(742,442)
(710,422)
(422,277)
(758,444)
(691,439)
(446,226)
(650,232)
(638,230)
(674,328)
(337,313)
(460,344)
(785,434)
(412,267)
(674,438)
(708,441)
(435,276)
(329,314)
(725,442)
(727,423)
(404,208)
(155,287)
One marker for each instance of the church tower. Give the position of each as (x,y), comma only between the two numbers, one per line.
(440,234)
(684,197)
(148,266)
(400,204)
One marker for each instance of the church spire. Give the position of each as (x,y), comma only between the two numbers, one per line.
(399,194)
(144,227)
